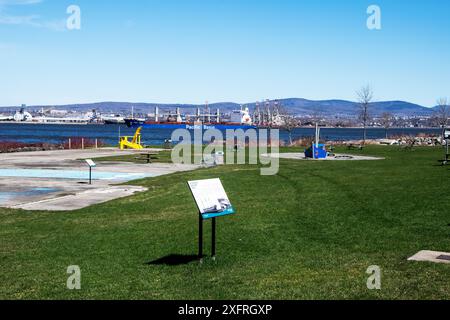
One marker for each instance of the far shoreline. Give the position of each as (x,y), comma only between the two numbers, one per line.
(300,127)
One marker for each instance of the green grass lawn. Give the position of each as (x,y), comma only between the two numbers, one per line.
(309,232)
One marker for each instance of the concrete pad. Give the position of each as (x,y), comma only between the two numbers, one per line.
(431,256)
(58,192)
(337,157)
(82,199)
(59,158)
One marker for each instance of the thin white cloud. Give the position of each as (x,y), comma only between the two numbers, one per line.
(18,2)
(55,25)
(29,20)
(19,20)
(34,21)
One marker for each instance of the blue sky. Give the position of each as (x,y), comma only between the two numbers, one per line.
(190,51)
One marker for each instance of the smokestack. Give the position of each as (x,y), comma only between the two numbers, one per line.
(208,115)
(179,120)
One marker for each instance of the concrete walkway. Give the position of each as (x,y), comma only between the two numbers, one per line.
(337,157)
(81,199)
(71,194)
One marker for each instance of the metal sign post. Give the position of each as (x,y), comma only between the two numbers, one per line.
(447,155)
(91,165)
(447,142)
(213,239)
(200,237)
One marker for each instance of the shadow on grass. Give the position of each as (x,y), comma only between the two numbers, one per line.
(174,260)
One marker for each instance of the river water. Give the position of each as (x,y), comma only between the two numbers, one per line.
(109,134)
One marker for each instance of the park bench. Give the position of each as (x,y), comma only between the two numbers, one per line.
(352,146)
(147,157)
(167,144)
(331,150)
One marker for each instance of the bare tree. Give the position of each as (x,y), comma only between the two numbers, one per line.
(386,121)
(288,122)
(365,96)
(410,142)
(442,113)
(316,116)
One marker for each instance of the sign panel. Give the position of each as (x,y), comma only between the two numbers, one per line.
(90,163)
(211,198)
(447,133)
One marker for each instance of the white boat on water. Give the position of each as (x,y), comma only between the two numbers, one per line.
(53,120)
(4,118)
(23,116)
(113,119)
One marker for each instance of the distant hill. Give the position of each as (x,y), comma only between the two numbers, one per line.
(348,108)
(296,106)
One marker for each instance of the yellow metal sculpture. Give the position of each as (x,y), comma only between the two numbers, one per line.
(135,143)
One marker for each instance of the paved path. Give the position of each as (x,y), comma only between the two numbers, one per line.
(81,199)
(337,157)
(72,194)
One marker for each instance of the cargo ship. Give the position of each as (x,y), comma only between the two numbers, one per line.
(239,119)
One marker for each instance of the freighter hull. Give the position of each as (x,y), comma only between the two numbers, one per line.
(187,126)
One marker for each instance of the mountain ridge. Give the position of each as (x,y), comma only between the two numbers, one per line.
(298,106)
